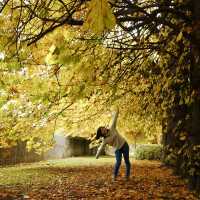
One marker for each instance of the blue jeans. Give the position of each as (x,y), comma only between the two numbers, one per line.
(118,154)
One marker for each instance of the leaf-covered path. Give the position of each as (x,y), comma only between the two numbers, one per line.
(150,180)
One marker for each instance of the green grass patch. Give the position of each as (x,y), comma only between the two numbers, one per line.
(45,171)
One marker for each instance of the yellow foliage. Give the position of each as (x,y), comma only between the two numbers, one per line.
(179,37)
(100,17)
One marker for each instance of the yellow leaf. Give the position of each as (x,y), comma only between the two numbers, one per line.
(100,17)
(179,37)
(182,138)
(154,38)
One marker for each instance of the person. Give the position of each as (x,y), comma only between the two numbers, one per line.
(112,137)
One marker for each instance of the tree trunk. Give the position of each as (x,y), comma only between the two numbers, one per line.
(195,88)
(185,154)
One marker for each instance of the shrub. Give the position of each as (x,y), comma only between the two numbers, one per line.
(148,151)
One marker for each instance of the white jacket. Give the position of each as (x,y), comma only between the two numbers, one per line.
(113,139)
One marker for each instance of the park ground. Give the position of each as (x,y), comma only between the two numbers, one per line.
(87,178)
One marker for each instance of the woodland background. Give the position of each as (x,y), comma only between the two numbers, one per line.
(66,63)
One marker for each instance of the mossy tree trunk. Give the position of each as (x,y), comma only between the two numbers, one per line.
(181,127)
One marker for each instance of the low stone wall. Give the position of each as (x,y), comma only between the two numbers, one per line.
(70,146)
(17,154)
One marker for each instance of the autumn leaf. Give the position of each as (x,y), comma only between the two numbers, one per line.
(100,17)
(149,180)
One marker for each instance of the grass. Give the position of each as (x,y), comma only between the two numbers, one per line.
(88,178)
(42,172)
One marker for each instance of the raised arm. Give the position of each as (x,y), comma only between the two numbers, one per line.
(114,119)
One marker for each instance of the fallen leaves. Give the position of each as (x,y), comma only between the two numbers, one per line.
(148,181)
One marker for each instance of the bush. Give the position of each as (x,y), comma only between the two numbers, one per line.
(148,151)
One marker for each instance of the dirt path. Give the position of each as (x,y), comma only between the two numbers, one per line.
(149,181)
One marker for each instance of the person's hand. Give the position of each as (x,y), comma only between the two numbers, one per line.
(114,109)
(117,109)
